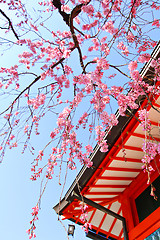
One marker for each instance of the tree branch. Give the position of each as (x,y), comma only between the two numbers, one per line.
(10,24)
(31,84)
(64,15)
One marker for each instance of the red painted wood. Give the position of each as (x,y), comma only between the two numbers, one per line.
(133,148)
(92,216)
(108,186)
(155,123)
(140,183)
(149,231)
(120,235)
(116,178)
(119,143)
(146,224)
(102,193)
(134,189)
(127,159)
(124,169)
(112,226)
(157,105)
(127,211)
(107,199)
(143,136)
(113,223)
(102,221)
(78,219)
(135,217)
(108,159)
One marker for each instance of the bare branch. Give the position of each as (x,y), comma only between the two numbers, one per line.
(10,24)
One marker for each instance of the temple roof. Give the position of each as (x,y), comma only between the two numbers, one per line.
(113,172)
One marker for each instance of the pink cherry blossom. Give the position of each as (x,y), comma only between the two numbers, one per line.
(144,57)
(145,122)
(132,65)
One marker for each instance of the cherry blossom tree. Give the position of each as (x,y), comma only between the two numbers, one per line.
(73,63)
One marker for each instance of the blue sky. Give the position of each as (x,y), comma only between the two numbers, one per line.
(19,194)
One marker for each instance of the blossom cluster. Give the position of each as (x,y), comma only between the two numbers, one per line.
(150,149)
(31,230)
(12,72)
(38,101)
(83,217)
(124,48)
(145,121)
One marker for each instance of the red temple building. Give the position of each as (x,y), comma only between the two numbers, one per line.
(115,189)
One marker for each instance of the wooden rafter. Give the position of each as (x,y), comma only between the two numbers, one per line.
(102,220)
(155,123)
(118,169)
(115,178)
(113,223)
(108,186)
(157,105)
(103,193)
(127,159)
(120,235)
(98,199)
(92,216)
(133,148)
(143,136)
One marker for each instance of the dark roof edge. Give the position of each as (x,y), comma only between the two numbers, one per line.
(97,157)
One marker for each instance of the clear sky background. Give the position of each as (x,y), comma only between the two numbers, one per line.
(18,194)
